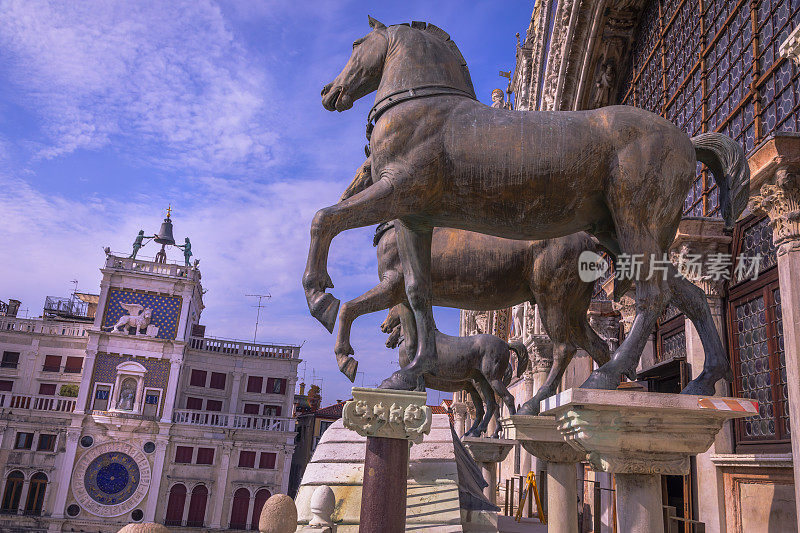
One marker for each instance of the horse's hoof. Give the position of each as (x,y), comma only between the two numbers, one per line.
(348,368)
(531,407)
(602,379)
(702,385)
(402,380)
(325,309)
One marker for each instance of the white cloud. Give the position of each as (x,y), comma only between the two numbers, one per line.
(170,75)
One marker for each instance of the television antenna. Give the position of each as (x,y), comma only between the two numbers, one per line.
(258,309)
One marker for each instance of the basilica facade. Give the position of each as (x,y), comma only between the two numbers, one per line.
(707,66)
(116,408)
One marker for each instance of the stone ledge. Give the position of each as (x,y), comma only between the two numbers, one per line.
(752,460)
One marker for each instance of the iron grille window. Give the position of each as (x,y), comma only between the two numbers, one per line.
(713,65)
(760,364)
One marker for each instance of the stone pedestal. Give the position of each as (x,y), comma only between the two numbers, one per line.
(390,420)
(539,435)
(639,436)
(487,453)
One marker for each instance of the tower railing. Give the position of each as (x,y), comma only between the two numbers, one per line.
(229,420)
(44,327)
(234,347)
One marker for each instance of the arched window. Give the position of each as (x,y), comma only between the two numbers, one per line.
(36,490)
(197,507)
(261,498)
(177,497)
(241,503)
(12,492)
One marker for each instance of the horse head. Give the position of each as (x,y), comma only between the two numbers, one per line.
(362,73)
(398,58)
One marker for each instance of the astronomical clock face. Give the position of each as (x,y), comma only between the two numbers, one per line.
(111,479)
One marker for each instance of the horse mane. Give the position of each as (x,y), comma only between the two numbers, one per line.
(442,35)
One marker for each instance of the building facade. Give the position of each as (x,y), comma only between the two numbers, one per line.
(707,66)
(131,414)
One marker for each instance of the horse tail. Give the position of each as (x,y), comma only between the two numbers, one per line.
(522,357)
(728,165)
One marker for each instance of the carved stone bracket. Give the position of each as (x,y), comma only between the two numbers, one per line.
(388,413)
(700,238)
(633,432)
(781,202)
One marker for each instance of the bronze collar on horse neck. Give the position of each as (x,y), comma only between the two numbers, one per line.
(392,99)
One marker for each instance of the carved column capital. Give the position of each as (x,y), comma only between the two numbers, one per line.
(459,409)
(540,348)
(388,413)
(781,202)
(790,48)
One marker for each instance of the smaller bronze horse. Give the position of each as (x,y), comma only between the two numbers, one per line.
(481,361)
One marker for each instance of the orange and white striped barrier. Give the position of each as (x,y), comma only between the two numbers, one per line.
(729,404)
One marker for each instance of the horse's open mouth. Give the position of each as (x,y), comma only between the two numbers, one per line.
(335,99)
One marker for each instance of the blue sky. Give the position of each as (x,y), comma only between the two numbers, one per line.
(110,111)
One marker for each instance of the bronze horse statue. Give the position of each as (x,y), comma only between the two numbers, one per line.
(480,272)
(480,361)
(440,158)
(476,271)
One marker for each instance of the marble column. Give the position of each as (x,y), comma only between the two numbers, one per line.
(780,199)
(172,387)
(220,487)
(81,401)
(460,417)
(158,467)
(640,436)
(65,472)
(391,420)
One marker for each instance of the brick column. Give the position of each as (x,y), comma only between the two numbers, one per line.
(780,199)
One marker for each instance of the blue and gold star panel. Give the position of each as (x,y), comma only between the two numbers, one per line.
(105,369)
(166,310)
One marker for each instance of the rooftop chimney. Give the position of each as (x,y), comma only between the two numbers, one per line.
(13,307)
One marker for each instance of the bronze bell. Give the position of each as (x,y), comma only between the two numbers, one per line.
(164,235)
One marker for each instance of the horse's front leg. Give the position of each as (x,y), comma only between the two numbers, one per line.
(414,245)
(382,296)
(371,206)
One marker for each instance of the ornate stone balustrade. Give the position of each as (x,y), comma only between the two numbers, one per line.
(233,347)
(230,420)
(44,327)
(35,402)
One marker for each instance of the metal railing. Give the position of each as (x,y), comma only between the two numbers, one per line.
(44,327)
(234,347)
(35,402)
(229,420)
